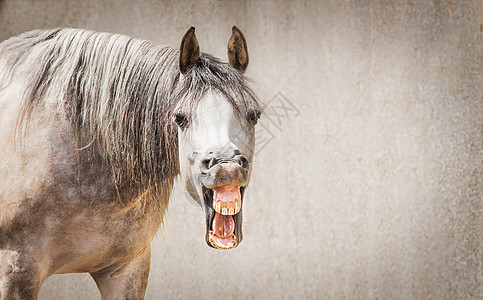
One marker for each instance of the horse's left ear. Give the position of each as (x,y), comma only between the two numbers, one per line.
(237,50)
(189,51)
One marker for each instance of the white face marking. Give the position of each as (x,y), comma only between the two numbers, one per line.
(215,126)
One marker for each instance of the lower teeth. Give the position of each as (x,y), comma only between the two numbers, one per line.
(229,246)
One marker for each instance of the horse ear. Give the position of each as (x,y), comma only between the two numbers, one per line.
(189,51)
(237,50)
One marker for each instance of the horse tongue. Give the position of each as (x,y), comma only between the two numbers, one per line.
(223,226)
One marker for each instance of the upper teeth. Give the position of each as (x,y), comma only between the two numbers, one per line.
(227,208)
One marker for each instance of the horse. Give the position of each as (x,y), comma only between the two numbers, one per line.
(94,128)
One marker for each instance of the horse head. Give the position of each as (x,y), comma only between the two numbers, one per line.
(216,136)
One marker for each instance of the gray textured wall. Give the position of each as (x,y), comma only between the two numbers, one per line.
(372,191)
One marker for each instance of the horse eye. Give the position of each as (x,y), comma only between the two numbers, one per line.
(181,120)
(253,116)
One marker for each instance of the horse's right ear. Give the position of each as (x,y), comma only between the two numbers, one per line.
(189,51)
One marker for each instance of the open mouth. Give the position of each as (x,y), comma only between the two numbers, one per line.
(224,205)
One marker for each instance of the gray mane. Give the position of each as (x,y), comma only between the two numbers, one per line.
(120,94)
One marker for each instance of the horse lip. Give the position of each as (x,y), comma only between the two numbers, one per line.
(215,177)
(244,165)
(218,184)
(210,214)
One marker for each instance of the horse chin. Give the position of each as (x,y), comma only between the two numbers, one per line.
(223,227)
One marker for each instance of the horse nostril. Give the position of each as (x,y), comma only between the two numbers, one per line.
(243,161)
(207,163)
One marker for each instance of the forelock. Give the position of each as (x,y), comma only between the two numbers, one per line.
(210,74)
